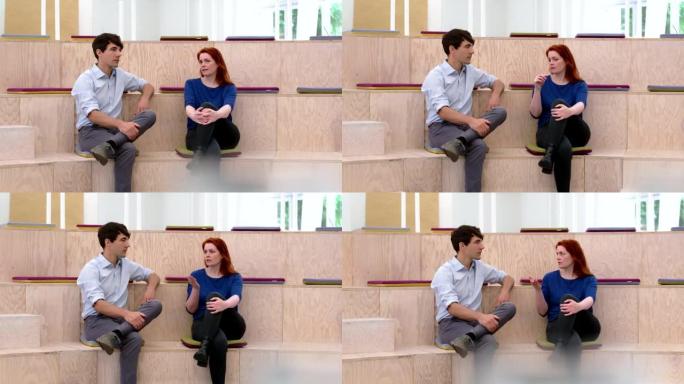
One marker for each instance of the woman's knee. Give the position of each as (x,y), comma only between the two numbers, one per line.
(215,294)
(208,105)
(558,102)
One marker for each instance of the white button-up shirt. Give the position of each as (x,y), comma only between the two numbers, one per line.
(446,87)
(94,90)
(101,280)
(453,283)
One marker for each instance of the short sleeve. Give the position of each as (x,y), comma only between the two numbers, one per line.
(84,93)
(590,287)
(492,275)
(133,83)
(236,287)
(435,93)
(582,93)
(483,79)
(229,96)
(137,271)
(445,291)
(89,283)
(189,94)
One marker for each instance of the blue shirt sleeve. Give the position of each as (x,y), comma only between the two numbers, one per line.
(546,289)
(236,288)
(590,287)
(582,92)
(229,96)
(189,94)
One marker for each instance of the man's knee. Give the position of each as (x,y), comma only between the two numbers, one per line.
(500,114)
(155,307)
(508,309)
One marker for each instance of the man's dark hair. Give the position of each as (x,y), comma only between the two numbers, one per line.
(463,234)
(111,231)
(102,41)
(455,37)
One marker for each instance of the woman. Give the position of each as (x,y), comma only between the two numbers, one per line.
(214,293)
(558,100)
(567,296)
(209,101)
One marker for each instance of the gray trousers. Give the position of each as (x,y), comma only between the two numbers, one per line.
(124,150)
(476,149)
(485,343)
(131,341)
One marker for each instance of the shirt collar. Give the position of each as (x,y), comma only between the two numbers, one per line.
(99,74)
(102,262)
(447,69)
(458,266)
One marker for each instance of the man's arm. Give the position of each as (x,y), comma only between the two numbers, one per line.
(481,126)
(144,102)
(497,90)
(152,284)
(489,321)
(136,319)
(505,292)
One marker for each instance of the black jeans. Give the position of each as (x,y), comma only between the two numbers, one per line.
(218,329)
(212,138)
(563,135)
(568,332)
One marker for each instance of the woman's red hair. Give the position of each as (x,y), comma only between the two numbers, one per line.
(226,264)
(571,72)
(222,76)
(580,267)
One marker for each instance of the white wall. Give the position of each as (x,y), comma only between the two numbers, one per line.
(4,207)
(353,211)
(347,15)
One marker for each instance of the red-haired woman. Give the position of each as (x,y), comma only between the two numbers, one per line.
(558,100)
(214,293)
(209,101)
(566,296)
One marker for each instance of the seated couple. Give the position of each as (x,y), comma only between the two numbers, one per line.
(209,101)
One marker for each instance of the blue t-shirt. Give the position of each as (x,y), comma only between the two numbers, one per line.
(571,93)
(197,93)
(554,287)
(226,285)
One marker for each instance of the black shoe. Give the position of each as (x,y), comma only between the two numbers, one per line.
(108,342)
(453,149)
(546,163)
(462,345)
(197,158)
(103,152)
(202,355)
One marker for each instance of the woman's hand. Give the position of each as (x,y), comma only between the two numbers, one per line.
(536,283)
(539,80)
(193,282)
(208,116)
(561,112)
(216,305)
(570,307)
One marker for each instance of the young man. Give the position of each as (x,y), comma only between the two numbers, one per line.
(98,92)
(104,290)
(448,90)
(458,294)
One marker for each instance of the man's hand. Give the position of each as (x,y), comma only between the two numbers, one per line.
(143,104)
(503,297)
(494,101)
(489,321)
(130,129)
(136,319)
(481,126)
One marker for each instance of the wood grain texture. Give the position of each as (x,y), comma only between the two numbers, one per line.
(73,176)
(312,314)
(423,174)
(27,178)
(9,110)
(310,123)
(641,70)
(18,142)
(602,174)
(27,252)
(648,112)
(373,176)
(262,308)
(385,257)
(370,371)
(656,304)
(76,58)
(361,302)
(356,105)
(594,58)
(426,54)
(310,64)
(23,64)
(60,306)
(253,63)
(312,255)
(404,113)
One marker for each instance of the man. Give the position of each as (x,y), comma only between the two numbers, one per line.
(458,294)
(98,92)
(448,90)
(104,290)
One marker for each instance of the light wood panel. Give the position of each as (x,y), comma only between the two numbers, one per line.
(513,62)
(20,331)
(658,368)
(256,118)
(258,254)
(172,366)
(435,250)
(30,368)
(423,174)
(312,314)
(426,54)
(453,175)
(310,64)
(654,124)
(658,305)
(385,257)
(356,105)
(81,246)
(59,304)
(24,64)
(373,176)
(519,129)
(76,58)
(383,209)
(414,310)
(615,308)
(27,207)
(432,369)
(174,321)
(595,60)
(262,308)
(526,325)
(73,176)
(31,253)
(404,113)
(52,119)
(522,256)
(252,63)
(606,115)
(361,303)
(14,298)
(670,54)
(522,174)
(170,128)
(612,254)
(78,367)
(650,175)
(374,60)
(257,366)
(18,142)
(26,177)
(368,335)
(378,371)
(660,257)
(313,256)
(310,123)
(150,61)
(602,174)
(9,110)
(361,138)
